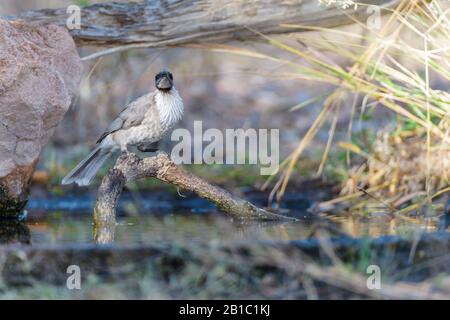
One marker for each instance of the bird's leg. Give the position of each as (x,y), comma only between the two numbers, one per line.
(124,150)
(148,147)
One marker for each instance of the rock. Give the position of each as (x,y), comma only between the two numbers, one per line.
(14,232)
(40,70)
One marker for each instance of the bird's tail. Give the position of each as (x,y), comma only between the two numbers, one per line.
(85,171)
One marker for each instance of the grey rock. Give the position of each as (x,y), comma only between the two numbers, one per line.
(40,70)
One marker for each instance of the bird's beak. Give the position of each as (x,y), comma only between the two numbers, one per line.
(164,83)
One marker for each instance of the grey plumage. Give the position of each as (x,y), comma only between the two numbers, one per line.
(131,115)
(142,123)
(85,171)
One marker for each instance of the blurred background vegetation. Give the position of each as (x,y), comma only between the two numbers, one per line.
(363,108)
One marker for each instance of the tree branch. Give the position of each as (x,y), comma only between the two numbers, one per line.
(130,167)
(177,23)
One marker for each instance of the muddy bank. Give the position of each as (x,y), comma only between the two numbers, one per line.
(236,269)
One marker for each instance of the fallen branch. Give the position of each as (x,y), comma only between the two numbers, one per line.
(175,23)
(130,167)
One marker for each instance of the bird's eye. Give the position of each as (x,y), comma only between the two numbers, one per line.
(170,76)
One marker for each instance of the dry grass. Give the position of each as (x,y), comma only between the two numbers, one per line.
(399,66)
(395,170)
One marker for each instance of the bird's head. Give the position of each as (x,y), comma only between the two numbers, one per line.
(164,81)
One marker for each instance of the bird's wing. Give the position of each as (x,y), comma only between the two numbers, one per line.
(132,115)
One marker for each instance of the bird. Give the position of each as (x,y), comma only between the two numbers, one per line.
(142,123)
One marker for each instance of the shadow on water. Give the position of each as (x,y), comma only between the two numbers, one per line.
(181,227)
(159,219)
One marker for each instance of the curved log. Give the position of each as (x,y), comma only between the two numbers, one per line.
(182,22)
(130,167)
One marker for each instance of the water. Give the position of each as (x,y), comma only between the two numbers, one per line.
(57,228)
(64,227)
(146,244)
(155,218)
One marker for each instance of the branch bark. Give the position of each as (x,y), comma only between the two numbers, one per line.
(130,167)
(177,23)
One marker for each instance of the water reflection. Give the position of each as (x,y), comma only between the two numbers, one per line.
(181,230)
(104,234)
(64,228)
(198,228)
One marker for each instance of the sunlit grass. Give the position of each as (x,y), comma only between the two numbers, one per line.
(398,66)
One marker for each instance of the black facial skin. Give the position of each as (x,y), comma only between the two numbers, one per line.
(164,81)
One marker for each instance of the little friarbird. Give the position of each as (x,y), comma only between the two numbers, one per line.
(142,123)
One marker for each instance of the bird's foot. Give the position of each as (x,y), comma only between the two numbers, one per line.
(162,154)
(148,147)
(125,152)
(128,157)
